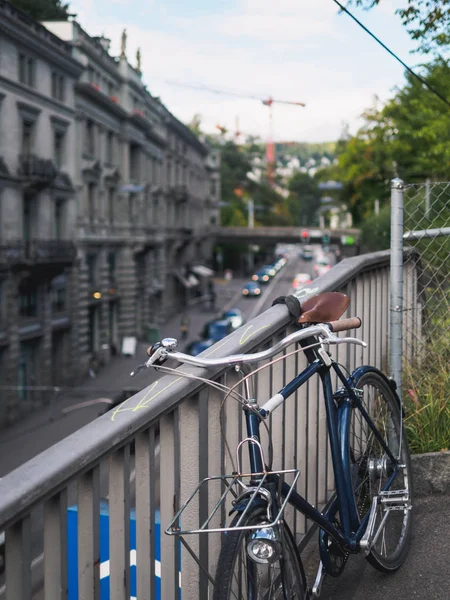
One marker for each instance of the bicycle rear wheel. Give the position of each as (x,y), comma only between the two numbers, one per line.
(371,469)
(239,577)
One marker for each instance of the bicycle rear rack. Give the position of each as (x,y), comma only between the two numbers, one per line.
(238,490)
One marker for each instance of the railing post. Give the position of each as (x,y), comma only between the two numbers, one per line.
(396,296)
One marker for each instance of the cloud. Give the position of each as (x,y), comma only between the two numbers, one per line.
(290,49)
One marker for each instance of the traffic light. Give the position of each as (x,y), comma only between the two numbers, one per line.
(305,236)
(326,238)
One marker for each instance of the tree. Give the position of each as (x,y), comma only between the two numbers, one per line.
(44,10)
(304,199)
(195,124)
(426,21)
(408,137)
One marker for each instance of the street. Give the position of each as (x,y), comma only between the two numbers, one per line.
(46,427)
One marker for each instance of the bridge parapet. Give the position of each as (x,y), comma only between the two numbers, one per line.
(150,452)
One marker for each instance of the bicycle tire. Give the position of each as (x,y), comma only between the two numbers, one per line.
(288,571)
(371,472)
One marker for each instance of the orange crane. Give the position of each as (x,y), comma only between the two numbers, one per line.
(270,147)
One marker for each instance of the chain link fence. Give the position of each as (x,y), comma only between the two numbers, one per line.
(426,312)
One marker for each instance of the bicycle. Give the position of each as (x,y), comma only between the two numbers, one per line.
(370,511)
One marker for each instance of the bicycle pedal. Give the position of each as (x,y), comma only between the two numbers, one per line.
(395,497)
(317,587)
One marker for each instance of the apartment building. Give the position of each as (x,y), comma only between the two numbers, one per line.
(107,207)
(37,211)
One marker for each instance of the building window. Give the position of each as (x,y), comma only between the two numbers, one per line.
(131,208)
(59,294)
(111,204)
(91,201)
(27,372)
(27,138)
(58,151)
(58,84)
(91,263)
(111,267)
(28,298)
(27,67)
(110,147)
(27,217)
(93,334)
(134,164)
(59,218)
(89,142)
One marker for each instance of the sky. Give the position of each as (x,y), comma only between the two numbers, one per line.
(295,50)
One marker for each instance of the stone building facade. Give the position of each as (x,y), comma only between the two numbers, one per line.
(107,207)
(37,211)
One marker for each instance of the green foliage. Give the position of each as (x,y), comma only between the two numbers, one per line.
(426,21)
(376,231)
(304,200)
(409,137)
(44,10)
(428,401)
(195,124)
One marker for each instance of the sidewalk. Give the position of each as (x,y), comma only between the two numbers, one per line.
(45,427)
(425,573)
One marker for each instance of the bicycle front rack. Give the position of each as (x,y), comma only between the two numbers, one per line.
(238,487)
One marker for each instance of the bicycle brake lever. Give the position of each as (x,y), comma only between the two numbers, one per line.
(138,369)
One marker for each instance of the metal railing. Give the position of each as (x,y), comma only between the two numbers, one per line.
(149,453)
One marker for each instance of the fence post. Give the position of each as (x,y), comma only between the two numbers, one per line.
(396,297)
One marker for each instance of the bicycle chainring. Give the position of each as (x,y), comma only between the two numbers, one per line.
(333,557)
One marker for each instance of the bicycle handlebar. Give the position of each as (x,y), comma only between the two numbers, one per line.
(165,349)
(344,324)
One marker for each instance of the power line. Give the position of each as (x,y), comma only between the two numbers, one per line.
(421,79)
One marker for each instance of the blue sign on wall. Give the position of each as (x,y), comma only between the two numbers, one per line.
(72,553)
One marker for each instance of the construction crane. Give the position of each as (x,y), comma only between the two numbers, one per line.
(269,102)
(237,133)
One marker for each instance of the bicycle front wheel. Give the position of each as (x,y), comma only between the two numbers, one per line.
(372,469)
(240,576)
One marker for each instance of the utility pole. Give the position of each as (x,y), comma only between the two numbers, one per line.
(251,214)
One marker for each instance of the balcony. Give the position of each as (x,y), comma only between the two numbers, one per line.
(50,251)
(36,172)
(12,253)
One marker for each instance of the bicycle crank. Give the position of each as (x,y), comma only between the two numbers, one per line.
(389,500)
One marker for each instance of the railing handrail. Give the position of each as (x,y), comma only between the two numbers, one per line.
(48,472)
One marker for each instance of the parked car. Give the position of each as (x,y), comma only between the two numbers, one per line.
(261,276)
(235,317)
(321,267)
(279,264)
(251,289)
(301,279)
(306,253)
(270,270)
(198,346)
(216,329)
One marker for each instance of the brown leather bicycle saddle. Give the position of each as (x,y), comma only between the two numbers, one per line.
(323,308)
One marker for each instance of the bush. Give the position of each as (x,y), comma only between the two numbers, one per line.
(427,400)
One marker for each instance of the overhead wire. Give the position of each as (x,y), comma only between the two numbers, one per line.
(421,79)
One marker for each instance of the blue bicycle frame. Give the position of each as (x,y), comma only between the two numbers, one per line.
(338,412)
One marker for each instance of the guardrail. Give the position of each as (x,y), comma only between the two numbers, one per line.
(150,452)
